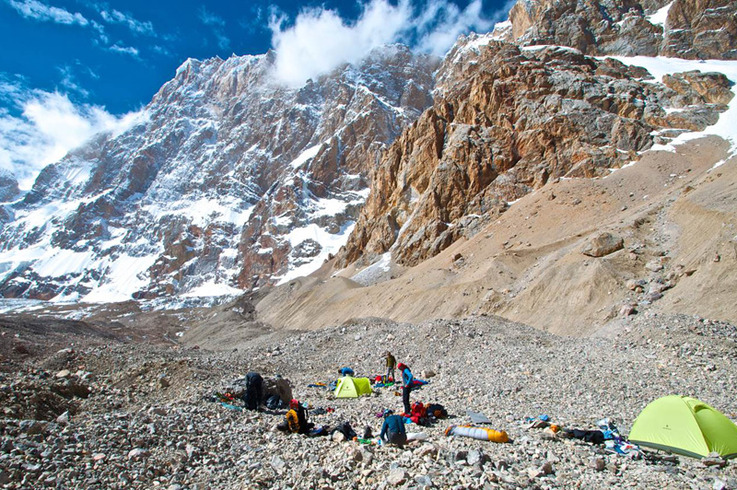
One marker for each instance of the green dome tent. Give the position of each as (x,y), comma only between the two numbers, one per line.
(686,426)
(349,387)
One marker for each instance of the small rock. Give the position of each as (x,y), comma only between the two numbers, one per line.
(63,419)
(32,427)
(654,265)
(366,457)
(64,373)
(627,310)
(714,459)
(397,476)
(603,244)
(338,437)
(423,481)
(473,457)
(427,450)
(98,457)
(278,464)
(137,454)
(549,434)
(190,450)
(599,464)
(719,484)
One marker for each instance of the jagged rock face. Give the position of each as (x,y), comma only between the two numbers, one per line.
(693,29)
(228,180)
(701,29)
(8,191)
(8,187)
(505,121)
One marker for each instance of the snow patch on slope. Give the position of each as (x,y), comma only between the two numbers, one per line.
(329,242)
(659,17)
(659,66)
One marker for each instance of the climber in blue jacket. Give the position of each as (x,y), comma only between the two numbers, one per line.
(393,430)
(407,385)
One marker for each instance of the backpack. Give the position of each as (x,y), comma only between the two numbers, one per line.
(274,403)
(346,429)
(437,410)
(419,410)
(302,418)
(419,414)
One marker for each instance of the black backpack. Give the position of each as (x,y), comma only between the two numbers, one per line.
(302,418)
(436,410)
(346,429)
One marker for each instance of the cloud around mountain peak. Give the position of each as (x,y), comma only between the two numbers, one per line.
(319,39)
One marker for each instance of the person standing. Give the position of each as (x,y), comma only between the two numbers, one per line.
(391,364)
(407,385)
(393,430)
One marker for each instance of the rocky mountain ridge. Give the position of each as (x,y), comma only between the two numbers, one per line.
(691,29)
(230,182)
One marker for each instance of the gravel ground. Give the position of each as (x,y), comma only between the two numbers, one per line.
(139,416)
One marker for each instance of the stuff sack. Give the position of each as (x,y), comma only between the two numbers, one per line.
(274,403)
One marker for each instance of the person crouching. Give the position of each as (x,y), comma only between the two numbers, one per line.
(291,422)
(393,430)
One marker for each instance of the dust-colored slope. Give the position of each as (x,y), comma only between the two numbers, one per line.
(707,247)
(528,266)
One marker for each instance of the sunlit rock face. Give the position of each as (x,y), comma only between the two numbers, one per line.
(505,120)
(691,29)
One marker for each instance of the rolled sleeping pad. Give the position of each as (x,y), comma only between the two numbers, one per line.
(481,433)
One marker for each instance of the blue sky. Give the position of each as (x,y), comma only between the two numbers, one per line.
(70,68)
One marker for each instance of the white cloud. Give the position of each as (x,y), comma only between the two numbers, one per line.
(319,40)
(117,17)
(47,128)
(451,22)
(100,29)
(33,9)
(118,48)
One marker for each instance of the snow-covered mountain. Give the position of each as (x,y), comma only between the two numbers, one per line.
(228,181)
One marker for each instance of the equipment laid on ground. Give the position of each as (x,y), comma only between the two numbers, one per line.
(481,433)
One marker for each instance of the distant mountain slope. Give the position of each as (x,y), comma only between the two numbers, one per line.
(675,216)
(543,184)
(231,182)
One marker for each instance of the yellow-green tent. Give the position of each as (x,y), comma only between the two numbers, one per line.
(684,425)
(349,387)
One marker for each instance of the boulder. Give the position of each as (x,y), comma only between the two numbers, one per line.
(603,244)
